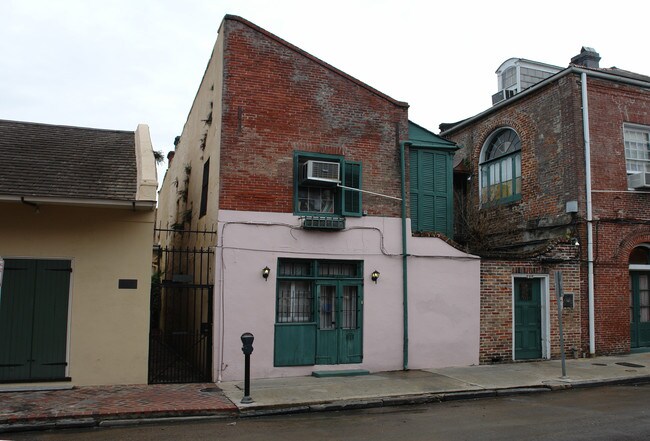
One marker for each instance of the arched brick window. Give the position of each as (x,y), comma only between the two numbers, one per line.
(501,167)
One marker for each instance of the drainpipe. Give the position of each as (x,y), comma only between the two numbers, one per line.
(590,233)
(405,365)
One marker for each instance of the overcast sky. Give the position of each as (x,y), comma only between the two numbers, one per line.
(116,63)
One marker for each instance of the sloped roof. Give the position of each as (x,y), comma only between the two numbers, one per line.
(421,137)
(41,160)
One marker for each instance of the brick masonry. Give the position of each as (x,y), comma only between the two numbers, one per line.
(550,126)
(277,99)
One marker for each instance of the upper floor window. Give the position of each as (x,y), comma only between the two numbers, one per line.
(501,167)
(326,185)
(509,77)
(637,149)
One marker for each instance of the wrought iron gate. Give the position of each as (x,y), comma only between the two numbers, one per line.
(180,336)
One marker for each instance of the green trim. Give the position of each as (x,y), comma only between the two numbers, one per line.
(485,171)
(346,202)
(405,343)
(342,373)
(422,138)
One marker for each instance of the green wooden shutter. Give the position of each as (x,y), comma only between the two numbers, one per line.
(431,191)
(16,306)
(50,319)
(33,319)
(351,198)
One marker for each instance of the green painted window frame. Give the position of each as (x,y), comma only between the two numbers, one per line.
(515,172)
(346,202)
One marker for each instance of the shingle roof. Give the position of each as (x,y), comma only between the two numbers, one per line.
(66,162)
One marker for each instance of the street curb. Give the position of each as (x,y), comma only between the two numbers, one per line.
(325,406)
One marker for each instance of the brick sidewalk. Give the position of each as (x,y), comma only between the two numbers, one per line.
(114,402)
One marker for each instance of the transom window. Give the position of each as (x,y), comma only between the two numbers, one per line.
(637,149)
(501,167)
(296,279)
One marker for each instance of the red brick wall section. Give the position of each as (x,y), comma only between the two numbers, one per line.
(278,100)
(549,123)
(622,217)
(497,303)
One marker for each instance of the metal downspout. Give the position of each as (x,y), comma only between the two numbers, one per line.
(590,233)
(405,365)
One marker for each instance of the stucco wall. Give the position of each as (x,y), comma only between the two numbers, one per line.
(443,292)
(107,327)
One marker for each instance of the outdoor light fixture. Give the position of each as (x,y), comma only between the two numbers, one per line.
(575,242)
(374,276)
(265,272)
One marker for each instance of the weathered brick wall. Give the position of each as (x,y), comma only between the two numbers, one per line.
(621,216)
(548,124)
(276,100)
(497,303)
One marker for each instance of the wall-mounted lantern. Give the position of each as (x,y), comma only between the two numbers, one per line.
(374,276)
(265,272)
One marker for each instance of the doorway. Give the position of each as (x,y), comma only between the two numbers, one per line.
(527,318)
(34,320)
(639,309)
(338,338)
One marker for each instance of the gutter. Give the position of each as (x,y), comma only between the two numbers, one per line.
(589,208)
(107,203)
(405,343)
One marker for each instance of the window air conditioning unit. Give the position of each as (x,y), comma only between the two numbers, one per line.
(321,172)
(639,180)
(502,95)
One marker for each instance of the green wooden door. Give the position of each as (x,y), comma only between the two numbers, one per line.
(640,309)
(528,319)
(33,319)
(339,336)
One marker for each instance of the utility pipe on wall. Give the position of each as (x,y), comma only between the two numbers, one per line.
(405,343)
(590,233)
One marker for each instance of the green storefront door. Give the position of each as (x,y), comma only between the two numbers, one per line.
(640,308)
(339,315)
(528,319)
(33,319)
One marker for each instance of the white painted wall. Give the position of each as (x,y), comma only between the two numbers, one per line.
(443,293)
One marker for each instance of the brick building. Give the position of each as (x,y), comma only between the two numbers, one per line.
(304,179)
(555,176)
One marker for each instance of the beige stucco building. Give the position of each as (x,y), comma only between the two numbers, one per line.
(76,227)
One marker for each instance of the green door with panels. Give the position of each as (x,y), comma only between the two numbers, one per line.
(33,319)
(640,309)
(339,339)
(528,319)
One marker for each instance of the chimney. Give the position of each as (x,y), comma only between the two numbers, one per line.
(587,57)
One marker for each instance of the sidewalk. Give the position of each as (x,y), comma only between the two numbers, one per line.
(112,405)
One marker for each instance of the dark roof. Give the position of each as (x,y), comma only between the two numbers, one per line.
(66,162)
(619,72)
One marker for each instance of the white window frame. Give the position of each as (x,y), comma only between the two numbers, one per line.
(635,128)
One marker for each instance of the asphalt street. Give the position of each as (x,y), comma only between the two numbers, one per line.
(603,413)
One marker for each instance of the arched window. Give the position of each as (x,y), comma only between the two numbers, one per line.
(640,256)
(501,167)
